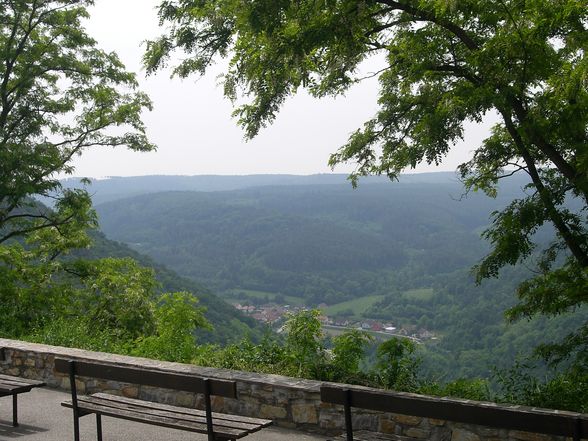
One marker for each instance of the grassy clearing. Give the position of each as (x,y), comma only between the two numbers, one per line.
(423,294)
(358,306)
(334,331)
(232,295)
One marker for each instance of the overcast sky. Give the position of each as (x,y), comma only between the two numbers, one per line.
(192,124)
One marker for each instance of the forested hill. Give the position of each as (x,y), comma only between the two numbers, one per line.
(229,324)
(324,243)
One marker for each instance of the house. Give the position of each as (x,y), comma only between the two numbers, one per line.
(377,327)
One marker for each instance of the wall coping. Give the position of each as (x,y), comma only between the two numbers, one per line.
(107,358)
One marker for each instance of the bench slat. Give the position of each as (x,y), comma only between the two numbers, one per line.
(216,425)
(153,419)
(8,378)
(11,390)
(145,407)
(463,411)
(149,377)
(10,384)
(258,422)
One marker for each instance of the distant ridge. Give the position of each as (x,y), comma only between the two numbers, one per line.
(115,188)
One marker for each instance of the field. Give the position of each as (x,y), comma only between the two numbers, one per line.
(355,306)
(242,295)
(422,294)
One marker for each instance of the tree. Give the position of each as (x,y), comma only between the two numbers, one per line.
(177,318)
(396,366)
(348,351)
(59,95)
(305,342)
(446,62)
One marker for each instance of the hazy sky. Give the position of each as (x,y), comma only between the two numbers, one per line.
(192,124)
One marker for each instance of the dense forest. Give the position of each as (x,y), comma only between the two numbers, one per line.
(405,248)
(325,243)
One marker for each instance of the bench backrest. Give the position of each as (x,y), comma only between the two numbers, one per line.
(461,411)
(147,377)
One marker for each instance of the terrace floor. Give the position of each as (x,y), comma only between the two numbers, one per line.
(42,418)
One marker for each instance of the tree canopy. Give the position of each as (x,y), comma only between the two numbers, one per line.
(447,62)
(59,94)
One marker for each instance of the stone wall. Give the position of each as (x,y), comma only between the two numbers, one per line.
(289,402)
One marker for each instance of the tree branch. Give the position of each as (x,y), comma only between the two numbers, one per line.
(562,228)
(421,15)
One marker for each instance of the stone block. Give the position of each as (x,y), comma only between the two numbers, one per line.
(64,383)
(266,387)
(487,432)
(80,386)
(387,425)
(438,433)
(272,412)
(130,391)
(413,432)
(408,420)
(331,422)
(304,414)
(528,436)
(366,421)
(217,403)
(280,397)
(246,409)
(266,396)
(464,435)
(30,373)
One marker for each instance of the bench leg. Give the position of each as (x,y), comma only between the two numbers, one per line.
(99,427)
(14,410)
(348,421)
(76,422)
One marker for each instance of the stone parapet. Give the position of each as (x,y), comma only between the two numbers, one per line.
(289,402)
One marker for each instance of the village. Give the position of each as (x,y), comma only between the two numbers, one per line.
(274,315)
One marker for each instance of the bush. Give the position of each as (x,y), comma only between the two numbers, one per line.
(564,390)
(396,366)
(177,317)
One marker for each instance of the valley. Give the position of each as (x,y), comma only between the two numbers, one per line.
(385,253)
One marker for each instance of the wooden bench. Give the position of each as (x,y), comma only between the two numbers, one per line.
(519,418)
(218,426)
(10,385)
